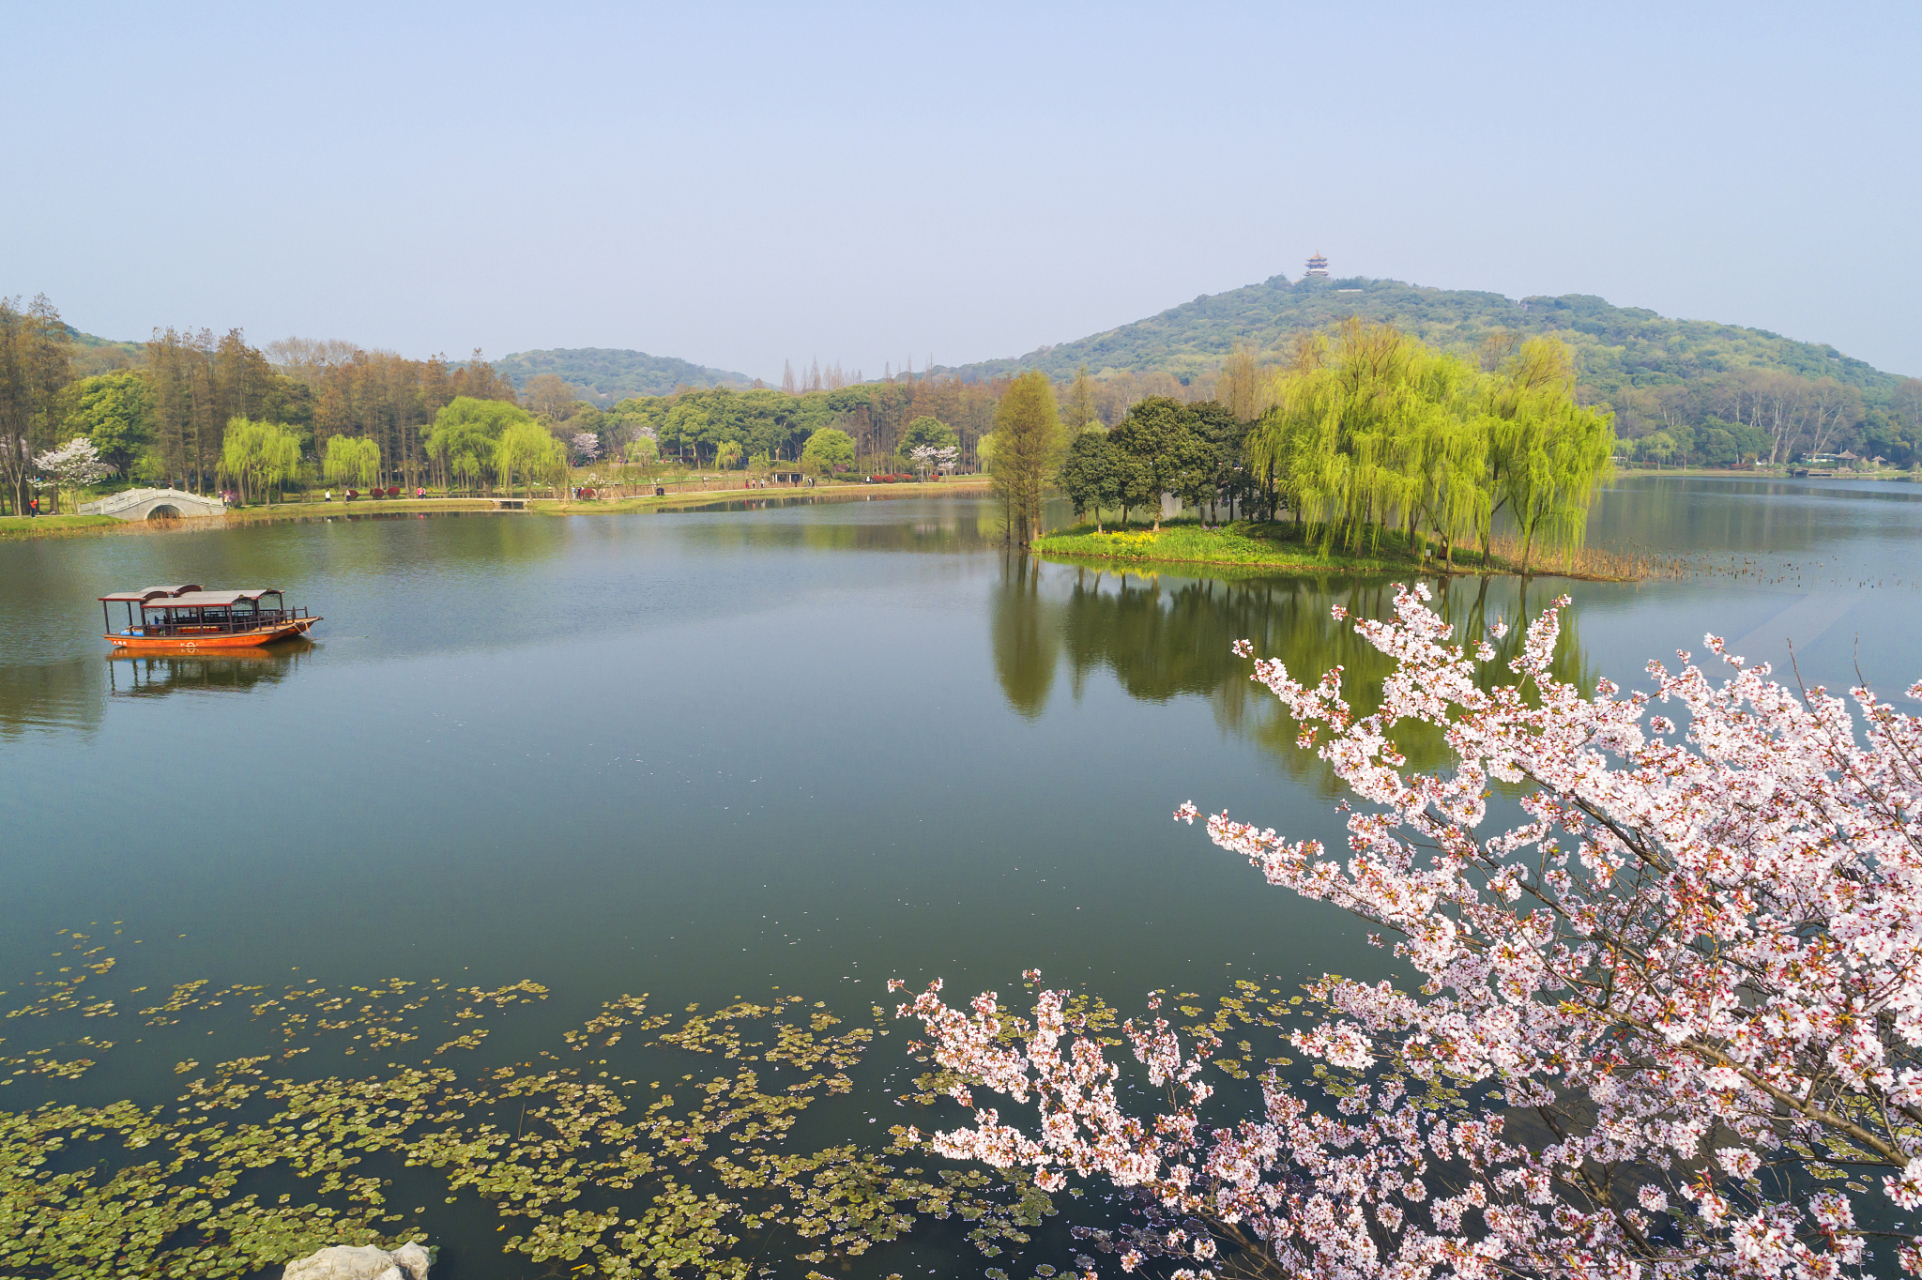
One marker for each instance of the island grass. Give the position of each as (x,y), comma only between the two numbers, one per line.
(1280,547)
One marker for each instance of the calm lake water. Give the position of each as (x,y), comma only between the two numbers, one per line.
(706,754)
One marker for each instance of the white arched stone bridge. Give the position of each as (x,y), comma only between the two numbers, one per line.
(154,504)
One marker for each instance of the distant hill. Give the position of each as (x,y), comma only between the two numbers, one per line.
(1615,346)
(94,355)
(611,375)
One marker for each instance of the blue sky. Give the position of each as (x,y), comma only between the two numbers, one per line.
(739,184)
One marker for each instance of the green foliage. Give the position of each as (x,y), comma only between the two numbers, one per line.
(828,449)
(1546,454)
(927,431)
(639,1144)
(1028,445)
(1220,473)
(1165,453)
(1080,412)
(526,449)
(1370,429)
(115,411)
(260,456)
(1615,347)
(1091,473)
(93,356)
(353,460)
(466,433)
(616,375)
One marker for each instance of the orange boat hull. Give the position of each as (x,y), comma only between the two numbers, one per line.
(191,643)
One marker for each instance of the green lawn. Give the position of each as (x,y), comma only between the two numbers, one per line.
(1245,542)
(1249,544)
(51,526)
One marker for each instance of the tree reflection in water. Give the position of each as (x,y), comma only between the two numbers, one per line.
(49,695)
(1164,638)
(1026,634)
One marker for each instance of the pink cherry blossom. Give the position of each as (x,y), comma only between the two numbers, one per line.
(1666,971)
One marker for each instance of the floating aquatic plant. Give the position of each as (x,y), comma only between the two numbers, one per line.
(595,1155)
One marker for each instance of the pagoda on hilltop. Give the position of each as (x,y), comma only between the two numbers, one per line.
(1317,268)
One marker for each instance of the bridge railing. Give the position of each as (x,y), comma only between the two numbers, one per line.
(115,503)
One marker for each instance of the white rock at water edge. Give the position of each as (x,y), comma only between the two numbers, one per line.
(361,1262)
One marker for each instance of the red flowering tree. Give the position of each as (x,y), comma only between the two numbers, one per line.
(1667,1015)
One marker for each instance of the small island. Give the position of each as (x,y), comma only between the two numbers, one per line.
(1264,547)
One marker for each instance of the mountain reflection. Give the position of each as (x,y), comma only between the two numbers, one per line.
(1163,638)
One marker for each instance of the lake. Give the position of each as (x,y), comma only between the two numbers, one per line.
(707,755)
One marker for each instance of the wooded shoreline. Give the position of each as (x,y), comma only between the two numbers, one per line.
(15,528)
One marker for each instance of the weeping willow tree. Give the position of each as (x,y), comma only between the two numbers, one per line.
(527,450)
(1442,463)
(467,465)
(258,456)
(1367,429)
(353,460)
(1547,454)
(466,435)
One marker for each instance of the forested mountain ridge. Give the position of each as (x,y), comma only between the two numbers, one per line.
(600,373)
(1682,392)
(610,375)
(1615,347)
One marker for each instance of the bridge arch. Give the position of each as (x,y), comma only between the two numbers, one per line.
(151,504)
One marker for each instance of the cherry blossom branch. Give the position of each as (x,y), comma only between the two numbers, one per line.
(1695,958)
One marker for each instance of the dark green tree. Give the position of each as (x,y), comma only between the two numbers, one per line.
(929,431)
(1158,438)
(1092,474)
(114,411)
(828,450)
(1223,476)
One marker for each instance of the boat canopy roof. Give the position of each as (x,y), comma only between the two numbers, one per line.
(148,593)
(210,599)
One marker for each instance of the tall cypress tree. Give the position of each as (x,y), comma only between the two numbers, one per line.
(1027,452)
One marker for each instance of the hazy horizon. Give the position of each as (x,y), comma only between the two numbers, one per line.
(749,184)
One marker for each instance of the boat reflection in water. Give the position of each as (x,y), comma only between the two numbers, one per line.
(152,675)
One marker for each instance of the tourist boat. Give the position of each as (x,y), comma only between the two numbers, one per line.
(186,619)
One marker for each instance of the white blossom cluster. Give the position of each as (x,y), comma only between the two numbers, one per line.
(933,457)
(75,465)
